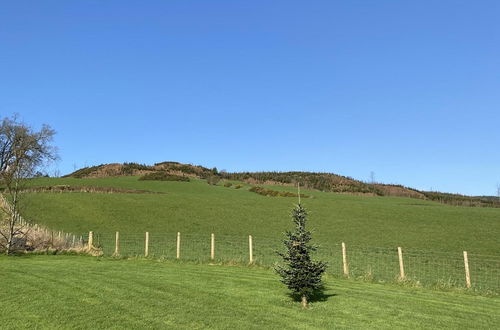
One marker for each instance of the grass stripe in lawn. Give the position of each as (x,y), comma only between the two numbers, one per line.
(83,292)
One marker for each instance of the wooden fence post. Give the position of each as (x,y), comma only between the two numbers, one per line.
(91,239)
(402,276)
(146,245)
(344,261)
(212,247)
(467,273)
(250,248)
(117,243)
(178,245)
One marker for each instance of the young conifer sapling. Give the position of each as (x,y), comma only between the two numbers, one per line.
(300,273)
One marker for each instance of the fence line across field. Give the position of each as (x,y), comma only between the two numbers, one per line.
(374,263)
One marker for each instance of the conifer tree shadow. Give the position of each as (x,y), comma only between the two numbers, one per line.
(317,296)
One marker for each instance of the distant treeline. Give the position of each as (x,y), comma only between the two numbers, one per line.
(308,180)
(325,182)
(462,200)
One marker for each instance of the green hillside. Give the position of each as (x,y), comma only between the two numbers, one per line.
(198,208)
(71,292)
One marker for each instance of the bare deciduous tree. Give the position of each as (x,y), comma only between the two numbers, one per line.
(23,151)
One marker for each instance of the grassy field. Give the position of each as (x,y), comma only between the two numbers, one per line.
(75,292)
(198,208)
(432,235)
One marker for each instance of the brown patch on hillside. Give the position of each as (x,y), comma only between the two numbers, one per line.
(398,191)
(127,169)
(105,171)
(112,170)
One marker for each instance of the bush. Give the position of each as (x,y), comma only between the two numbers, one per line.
(228,184)
(213,180)
(238,186)
(163,176)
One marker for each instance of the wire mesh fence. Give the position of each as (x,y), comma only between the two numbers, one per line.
(381,264)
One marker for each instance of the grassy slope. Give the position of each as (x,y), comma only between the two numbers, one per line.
(82,292)
(196,207)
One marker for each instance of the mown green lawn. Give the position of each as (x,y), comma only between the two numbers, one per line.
(77,292)
(198,208)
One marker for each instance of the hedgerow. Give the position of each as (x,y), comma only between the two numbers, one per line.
(163,176)
(275,193)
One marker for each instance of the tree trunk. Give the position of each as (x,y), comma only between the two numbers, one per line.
(304,301)
(8,248)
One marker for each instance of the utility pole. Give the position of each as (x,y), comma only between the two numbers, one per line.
(298,190)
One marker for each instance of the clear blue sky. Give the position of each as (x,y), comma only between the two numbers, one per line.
(407,89)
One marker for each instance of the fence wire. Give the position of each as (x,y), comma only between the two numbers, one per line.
(421,267)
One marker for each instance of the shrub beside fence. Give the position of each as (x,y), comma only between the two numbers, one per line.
(420,267)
